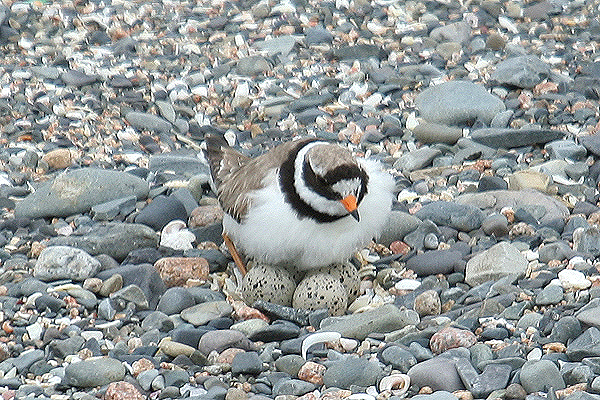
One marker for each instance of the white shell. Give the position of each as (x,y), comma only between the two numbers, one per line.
(176,236)
(360,396)
(398,383)
(319,337)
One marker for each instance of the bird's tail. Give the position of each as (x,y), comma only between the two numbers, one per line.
(222,159)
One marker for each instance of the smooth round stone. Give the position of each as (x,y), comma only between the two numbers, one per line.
(202,313)
(175,377)
(577,170)
(559,250)
(398,358)
(317,35)
(64,262)
(540,375)
(278,330)
(111,285)
(147,121)
(290,364)
(352,371)
(551,294)
(417,159)
(568,149)
(573,279)
(428,303)
(428,132)
(94,372)
(565,329)
(46,301)
(160,211)
(175,300)
(293,387)
(26,359)
(585,345)
(495,225)
(529,320)
(458,216)
(250,326)
(494,333)
(246,363)
(450,338)
(220,340)
(445,378)
(132,293)
(157,320)
(436,262)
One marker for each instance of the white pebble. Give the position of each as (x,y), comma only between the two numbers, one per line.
(407,284)
(571,279)
(535,354)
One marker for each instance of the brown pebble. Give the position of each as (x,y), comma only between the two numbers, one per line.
(205,215)
(312,372)
(495,42)
(451,338)
(111,285)
(122,391)
(141,365)
(428,303)
(58,158)
(227,355)
(235,394)
(176,271)
(515,391)
(92,284)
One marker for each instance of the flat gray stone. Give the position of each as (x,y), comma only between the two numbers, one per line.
(540,376)
(445,377)
(352,371)
(399,224)
(147,121)
(458,103)
(94,372)
(77,191)
(455,215)
(498,261)
(508,138)
(384,319)
(115,239)
(499,199)
(521,71)
(203,313)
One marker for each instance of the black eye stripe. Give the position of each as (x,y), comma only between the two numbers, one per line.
(318,184)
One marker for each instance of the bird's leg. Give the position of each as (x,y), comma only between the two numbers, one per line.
(234,253)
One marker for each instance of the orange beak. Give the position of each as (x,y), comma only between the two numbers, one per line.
(349,203)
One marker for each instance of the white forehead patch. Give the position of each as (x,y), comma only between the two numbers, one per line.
(347,186)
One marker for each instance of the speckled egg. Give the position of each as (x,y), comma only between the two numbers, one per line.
(321,290)
(347,274)
(270,283)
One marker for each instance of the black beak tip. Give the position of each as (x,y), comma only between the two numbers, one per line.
(355,215)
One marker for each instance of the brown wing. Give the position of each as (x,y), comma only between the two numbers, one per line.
(235,189)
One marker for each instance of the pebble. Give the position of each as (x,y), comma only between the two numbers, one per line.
(457,102)
(76,191)
(94,372)
(351,371)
